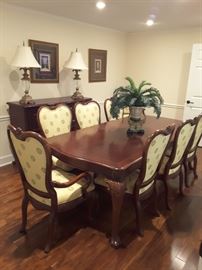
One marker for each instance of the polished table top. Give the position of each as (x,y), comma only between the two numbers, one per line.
(106,148)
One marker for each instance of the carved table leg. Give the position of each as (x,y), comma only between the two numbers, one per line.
(117,190)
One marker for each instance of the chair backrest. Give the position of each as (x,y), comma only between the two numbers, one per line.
(33,158)
(153,156)
(54,120)
(197,135)
(107,107)
(87,114)
(182,141)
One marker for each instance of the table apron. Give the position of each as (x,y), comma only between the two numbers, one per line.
(113,174)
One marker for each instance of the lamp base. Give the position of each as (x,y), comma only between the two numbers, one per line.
(26,99)
(77,94)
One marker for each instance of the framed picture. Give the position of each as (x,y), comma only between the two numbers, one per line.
(46,54)
(97,65)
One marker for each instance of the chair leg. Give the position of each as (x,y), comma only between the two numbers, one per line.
(166,193)
(191,168)
(181,183)
(138,217)
(195,166)
(155,210)
(52,219)
(24,206)
(186,174)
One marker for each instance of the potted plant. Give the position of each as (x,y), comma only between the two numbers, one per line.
(136,98)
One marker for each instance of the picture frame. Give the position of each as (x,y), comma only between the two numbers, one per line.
(46,53)
(97,65)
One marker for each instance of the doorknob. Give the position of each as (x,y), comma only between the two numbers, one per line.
(189,102)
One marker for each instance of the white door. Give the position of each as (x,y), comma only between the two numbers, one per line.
(193,104)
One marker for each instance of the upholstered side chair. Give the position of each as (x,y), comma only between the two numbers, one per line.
(141,184)
(191,156)
(87,114)
(46,189)
(107,107)
(172,163)
(54,121)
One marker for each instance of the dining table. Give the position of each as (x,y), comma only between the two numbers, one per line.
(107,149)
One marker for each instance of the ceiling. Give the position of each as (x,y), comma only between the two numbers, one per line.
(122,15)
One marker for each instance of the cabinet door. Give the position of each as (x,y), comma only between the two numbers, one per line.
(31,119)
(17,116)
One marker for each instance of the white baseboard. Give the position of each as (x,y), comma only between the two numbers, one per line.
(5,160)
(4,118)
(173,106)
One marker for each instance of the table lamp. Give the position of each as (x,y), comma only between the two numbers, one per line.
(24,59)
(76,63)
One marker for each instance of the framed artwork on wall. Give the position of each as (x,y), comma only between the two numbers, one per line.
(46,54)
(97,65)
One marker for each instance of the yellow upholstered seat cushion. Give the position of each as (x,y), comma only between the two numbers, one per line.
(60,164)
(130,182)
(64,195)
(163,165)
(190,154)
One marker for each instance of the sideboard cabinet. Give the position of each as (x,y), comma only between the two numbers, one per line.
(25,115)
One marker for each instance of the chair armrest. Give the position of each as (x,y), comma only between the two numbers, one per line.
(73,180)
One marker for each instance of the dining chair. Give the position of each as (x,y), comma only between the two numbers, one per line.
(191,156)
(172,163)
(87,114)
(141,184)
(107,107)
(53,121)
(46,189)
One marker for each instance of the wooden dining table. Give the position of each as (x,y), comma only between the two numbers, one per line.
(106,149)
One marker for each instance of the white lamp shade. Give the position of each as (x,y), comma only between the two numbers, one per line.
(24,58)
(75,61)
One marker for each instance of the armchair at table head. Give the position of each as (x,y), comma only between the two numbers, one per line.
(107,106)
(87,114)
(44,188)
(173,161)
(55,121)
(142,184)
(191,153)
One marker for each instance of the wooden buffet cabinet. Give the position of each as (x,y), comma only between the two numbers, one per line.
(25,115)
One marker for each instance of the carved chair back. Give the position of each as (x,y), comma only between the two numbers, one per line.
(107,107)
(197,136)
(33,157)
(182,142)
(54,120)
(87,114)
(152,158)
(46,189)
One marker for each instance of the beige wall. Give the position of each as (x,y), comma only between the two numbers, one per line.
(18,25)
(163,58)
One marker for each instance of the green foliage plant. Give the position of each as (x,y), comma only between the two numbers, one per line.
(143,95)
